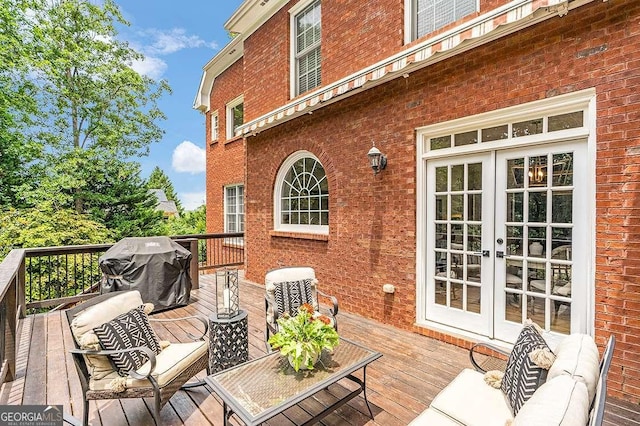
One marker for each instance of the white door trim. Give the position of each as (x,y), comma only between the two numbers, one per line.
(585,100)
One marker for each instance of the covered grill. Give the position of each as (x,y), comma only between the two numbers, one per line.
(157,267)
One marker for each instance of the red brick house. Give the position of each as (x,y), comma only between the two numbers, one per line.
(511,131)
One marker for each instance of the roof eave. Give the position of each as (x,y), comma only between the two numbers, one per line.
(251,15)
(216,66)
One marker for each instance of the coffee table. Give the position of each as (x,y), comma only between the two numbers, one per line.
(264,387)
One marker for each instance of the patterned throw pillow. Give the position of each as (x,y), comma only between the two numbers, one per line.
(290,295)
(522,376)
(127,331)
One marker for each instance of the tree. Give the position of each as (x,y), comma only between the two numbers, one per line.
(191,222)
(116,196)
(94,105)
(17,103)
(159,180)
(45,226)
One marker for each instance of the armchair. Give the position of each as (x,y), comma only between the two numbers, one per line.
(165,371)
(289,288)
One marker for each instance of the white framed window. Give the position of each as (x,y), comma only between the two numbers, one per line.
(423,17)
(306,24)
(235,115)
(234,208)
(301,195)
(214,126)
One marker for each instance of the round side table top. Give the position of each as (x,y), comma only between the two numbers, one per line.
(242,314)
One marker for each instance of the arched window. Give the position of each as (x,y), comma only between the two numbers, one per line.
(301,196)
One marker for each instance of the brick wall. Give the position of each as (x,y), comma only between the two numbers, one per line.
(225,158)
(372,225)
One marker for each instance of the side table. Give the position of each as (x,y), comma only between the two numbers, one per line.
(228,341)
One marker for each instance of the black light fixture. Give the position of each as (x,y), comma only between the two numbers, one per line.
(227,293)
(377,159)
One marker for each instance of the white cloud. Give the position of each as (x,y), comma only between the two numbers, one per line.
(192,200)
(188,158)
(151,67)
(166,42)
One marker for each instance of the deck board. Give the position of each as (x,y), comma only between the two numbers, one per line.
(400,385)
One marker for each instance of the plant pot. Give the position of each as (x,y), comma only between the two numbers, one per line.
(308,358)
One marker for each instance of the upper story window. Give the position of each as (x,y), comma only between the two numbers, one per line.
(214,126)
(235,115)
(234,208)
(430,15)
(301,196)
(306,35)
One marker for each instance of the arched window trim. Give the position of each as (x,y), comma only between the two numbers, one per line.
(277,198)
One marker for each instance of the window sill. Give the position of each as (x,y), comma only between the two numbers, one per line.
(233,139)
(211,143)
(299,235)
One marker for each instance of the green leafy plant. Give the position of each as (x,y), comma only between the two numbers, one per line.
(303,337)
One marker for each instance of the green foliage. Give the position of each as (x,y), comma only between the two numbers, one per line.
(303,337)
(46,227)
(190,222)
(159,180)
(17,103)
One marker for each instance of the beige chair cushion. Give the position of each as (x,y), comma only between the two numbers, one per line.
(577,357)
(561,401)
(295,273)
(82,326)
(170,362)
(468,400)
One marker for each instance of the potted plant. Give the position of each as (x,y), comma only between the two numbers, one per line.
(303,337)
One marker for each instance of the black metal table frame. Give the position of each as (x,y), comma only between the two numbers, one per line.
(230,405)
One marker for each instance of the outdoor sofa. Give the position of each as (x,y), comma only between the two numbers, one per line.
(574,392)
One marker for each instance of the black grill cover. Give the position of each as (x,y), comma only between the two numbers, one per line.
(157,267)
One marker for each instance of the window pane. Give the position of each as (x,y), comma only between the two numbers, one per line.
(566,121)
(467,138)
(305,193)
(526,128)
(434,14)
(495,133)
(440,142)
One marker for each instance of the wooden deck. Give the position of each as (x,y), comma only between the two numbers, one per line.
(400,385)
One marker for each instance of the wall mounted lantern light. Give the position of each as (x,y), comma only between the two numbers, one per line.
(377,159)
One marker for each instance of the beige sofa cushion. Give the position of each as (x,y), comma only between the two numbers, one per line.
(577,356)
(561,401)
(83,324)
(431,417)
(468,400)
(170,362)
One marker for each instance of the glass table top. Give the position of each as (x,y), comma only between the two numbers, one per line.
(270,385)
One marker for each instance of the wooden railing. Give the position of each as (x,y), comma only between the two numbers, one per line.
(36,279)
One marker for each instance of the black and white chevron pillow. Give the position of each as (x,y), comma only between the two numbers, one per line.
(522,376)
(126,331)
(290,295)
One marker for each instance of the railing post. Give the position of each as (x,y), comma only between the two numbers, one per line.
(21,290)
(10,330)
(195,273)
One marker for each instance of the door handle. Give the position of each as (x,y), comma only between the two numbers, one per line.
(483,253)
(501,255)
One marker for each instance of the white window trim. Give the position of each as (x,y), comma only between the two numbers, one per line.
(293,12)
(215,130)
(409,24)
(555,105)
(230,105)
(226,205)
(277,197)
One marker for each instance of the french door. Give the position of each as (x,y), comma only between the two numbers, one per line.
(507,240)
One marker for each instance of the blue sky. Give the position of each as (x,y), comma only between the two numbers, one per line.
(178,39)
